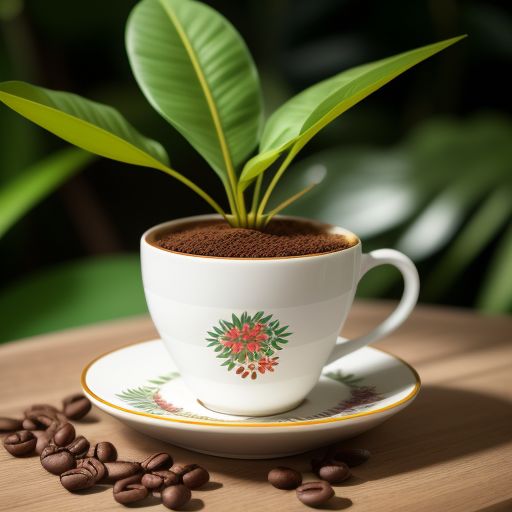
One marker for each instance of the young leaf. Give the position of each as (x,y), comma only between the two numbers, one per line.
(89,125)
(196,71)
(300,118)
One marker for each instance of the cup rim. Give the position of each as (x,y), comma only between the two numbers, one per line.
(163,226)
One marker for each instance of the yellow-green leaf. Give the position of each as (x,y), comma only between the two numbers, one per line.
(300,118)
(92,126)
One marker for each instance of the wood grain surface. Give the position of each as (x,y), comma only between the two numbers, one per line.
(451,450)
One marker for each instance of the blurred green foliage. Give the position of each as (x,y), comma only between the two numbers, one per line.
(416,167)
(442,196)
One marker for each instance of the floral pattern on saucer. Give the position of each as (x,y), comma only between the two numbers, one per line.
(147,398)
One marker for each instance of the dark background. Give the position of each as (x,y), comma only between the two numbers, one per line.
(79,46)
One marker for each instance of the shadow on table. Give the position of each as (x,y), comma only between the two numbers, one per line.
(442,424)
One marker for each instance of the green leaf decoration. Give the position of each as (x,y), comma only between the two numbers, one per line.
(300,118)
(92,126)
(196,71)
(33,184)
(349,380)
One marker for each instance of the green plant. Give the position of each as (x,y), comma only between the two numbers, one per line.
(196,71)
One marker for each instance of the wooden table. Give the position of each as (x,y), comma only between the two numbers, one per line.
(450,450)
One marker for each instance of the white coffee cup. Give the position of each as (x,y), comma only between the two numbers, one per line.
(205,307)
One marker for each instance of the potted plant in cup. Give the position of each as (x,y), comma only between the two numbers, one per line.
(239,287)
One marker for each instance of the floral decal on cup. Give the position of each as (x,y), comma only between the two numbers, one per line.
(248,343)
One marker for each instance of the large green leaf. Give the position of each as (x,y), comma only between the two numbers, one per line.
(300,118)
(479,232)
(33,184)
(72,294)
(89,125)
(196,71)
(496,294)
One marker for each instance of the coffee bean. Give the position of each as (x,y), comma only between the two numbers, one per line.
(120,470)
(159,480)
(104,451)
(40,419)
(350,456)
(77,479)
(20,443)
(284,478)
(129,490)
(76,406)
(175,496)
(57,460)
(314,494)
(334,471)
(94,466)
(79,447)
(64,434)
(47,409)
(43,440)
(30,424)
(179,469)
(11,425)
(195,476)
(156,462)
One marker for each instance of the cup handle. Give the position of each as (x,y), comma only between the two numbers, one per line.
(399,315)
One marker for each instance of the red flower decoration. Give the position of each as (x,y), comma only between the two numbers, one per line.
(237,347)
(267,364)
(248,343)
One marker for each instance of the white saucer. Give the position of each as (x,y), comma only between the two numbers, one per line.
(140,386)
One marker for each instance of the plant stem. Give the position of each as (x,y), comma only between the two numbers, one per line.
(286,162)
(241,207)
(256,194)
(232,204)
(286,203)
(190,184)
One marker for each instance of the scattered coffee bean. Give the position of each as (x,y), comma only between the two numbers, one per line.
(40,420)
(179,469)
(104,451)
(64,434)
(129,490)
(120,470)
(316,462)
(314,494)
(156,462)
(30,425)
(195,476)
(76,406)
(79,447)
(334,471)
(43,440)
(57,460)
(77,479)
(11,424)
(284,478)
(175,496)
(47,409)
(159,480)
(350,456)
(94,466)
(20,443)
